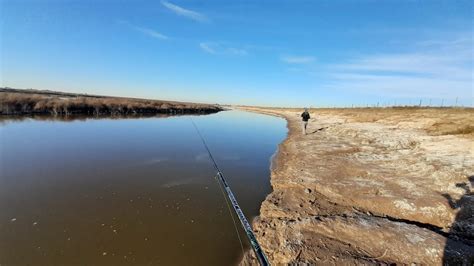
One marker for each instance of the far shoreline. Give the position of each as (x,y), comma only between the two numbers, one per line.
(36,102)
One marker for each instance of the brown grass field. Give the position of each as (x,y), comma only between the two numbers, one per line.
(436,121)
(21,102)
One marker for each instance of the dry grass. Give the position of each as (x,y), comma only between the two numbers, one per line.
(17,102)
(434,120)
(463,130)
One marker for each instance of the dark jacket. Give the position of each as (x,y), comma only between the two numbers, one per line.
(305,116)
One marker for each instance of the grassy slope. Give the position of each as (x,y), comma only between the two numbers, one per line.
(17,102)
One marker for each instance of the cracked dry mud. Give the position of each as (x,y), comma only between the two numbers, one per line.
(371,186)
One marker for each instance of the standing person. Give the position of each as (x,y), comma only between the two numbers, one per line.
(305,115)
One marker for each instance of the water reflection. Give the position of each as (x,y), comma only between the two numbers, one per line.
(79,117)
(137,190)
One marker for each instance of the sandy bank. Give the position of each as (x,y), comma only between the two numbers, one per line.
(371,186)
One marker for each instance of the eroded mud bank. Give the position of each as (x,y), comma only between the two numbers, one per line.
(368,186)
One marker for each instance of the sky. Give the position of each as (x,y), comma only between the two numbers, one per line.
(268,52)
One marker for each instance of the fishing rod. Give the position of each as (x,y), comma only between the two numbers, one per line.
(262,259)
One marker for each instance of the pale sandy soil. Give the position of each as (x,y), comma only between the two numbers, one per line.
(371,186)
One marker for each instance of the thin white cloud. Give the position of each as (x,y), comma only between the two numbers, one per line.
(449,66)
(147,31)
(297,59)
(401,86)
(152,33)
(218,48)
(207,48)
(180,11)
(455,43)
(438,69)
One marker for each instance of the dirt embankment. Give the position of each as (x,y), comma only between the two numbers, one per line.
(372,186)
(21,102)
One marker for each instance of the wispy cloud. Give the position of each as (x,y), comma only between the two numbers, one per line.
(440,69)
(180,11)
(147,31)
(297,59)
(207,48)
(458,42)
(152,33)
(218,48)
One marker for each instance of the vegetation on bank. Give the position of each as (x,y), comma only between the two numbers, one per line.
(20,102)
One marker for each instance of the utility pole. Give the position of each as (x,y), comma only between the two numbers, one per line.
(442,102)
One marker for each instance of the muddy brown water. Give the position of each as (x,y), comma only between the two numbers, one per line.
(130,191)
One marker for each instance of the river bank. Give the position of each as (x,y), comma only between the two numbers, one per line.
(371,186)
(39,102)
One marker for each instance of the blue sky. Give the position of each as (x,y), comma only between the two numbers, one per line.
(276,53)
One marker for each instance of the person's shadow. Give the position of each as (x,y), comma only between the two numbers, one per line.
(459,249)
(319,129)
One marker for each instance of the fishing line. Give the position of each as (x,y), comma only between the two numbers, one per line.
(222,191)
(231,215)
(262,259)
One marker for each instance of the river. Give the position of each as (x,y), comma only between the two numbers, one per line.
(130,190)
